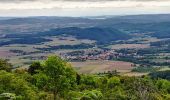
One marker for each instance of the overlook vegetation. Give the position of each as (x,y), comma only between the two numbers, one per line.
(108,49)
(55,79)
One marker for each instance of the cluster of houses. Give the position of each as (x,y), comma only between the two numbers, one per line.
(90,55)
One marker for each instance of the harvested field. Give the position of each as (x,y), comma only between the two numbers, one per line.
(130,46)
(5,54)
(102,66)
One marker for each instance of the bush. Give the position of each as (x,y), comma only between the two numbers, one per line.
(4,65)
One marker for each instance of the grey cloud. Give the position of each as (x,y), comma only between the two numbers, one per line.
(16,1)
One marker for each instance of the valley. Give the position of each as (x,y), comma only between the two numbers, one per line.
(128,44)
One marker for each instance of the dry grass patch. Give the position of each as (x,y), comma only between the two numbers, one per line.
(102,66)
(130,46)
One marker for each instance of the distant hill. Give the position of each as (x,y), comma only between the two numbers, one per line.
(101,35)
(43,20)
(99,28)
(156,24)
(159,30)
(150,18)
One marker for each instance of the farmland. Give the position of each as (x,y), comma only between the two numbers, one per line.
(90,45)
(102,66)
(21,55)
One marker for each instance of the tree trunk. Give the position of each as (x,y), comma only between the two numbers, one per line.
(58,98)
(55,95)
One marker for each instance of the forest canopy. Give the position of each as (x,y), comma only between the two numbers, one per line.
(55,79)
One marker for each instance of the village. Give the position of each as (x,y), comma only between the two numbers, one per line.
(84,55)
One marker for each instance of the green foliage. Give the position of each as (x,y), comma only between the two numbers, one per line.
(89,80)
(33,69)
(74,95)
(163,85)
(57,75)
(85,95)
(140,88)
(160,74)
(145,69)
(41,80)
(92,95)
(11,83)
(114,81)
(4,65)
(55,79)
(116,93)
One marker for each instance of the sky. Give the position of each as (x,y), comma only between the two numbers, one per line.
(78,8)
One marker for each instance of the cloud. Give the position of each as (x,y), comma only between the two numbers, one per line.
(72,4)
(17,1)
(81,7)
(80,4)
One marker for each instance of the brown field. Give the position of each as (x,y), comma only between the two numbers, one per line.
(130,46)
(149,39)
(5,54)
(102,66)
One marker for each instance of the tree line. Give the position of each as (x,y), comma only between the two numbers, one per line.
(55,79)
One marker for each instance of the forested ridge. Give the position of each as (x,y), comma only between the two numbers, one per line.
(55,79)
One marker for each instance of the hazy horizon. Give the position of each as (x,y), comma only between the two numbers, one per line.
(78,8)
